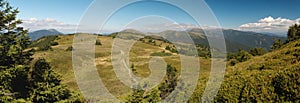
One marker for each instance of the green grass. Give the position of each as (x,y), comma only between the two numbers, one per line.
(273,77)
(255,76)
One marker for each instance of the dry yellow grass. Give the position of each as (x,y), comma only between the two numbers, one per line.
(61,61)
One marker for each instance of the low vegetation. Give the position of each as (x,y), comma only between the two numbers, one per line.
(45,43)
(163,53)
(252,75)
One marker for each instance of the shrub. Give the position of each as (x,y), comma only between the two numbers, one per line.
(243,56)
(277,44)
(70,48)
(54,43)
(161,54)
(257,51)
(98,42)
(44,48)
(233,62)
(287,85)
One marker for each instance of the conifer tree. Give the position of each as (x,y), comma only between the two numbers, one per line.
(15,59)
(293,33)
(46,85)
(17,83)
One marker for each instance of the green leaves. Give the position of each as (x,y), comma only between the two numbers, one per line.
(257,51)
(277,44)
(45,85)
(293,33)
(240,56)
(16,86)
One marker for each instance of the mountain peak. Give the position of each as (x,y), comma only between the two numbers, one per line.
(41,33)
(132,31)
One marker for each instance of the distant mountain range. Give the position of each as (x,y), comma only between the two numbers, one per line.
(41,33)
(234,39)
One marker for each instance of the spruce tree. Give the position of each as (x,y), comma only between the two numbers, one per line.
(46,85)
(277,44)
(17,83)
(293,33)
(15,59)
(170,83)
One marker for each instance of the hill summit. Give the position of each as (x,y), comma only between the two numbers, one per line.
(41,33)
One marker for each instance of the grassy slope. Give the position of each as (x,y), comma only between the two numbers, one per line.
(256,73)
(61,61)
(253,80)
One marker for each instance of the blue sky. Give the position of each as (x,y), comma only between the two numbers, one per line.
(249,15)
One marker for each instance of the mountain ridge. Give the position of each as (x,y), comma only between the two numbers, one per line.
(234,39)
(41,33)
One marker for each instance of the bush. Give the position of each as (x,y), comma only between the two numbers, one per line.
(98,42)
(233,62)
(277,44)
(243,56)
(204,53)
(257,51)
(54,43)
(44,48)
(161,54)
(287,85)
(69,48)
(171,49)
(264,86)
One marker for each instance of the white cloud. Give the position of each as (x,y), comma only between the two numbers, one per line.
(48,23)
(270,24)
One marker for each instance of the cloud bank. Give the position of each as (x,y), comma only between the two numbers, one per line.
(269,24)
(48,23)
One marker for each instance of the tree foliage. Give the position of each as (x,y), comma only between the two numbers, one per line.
(98,42)
(45,43)
(17,83)
(240,56)
(15,59)
(46,85)
(277,44)
(257,51)
(156,94)
(293,33)
(170,83)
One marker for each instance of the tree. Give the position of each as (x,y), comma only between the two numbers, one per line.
(293,33)
(243,56)
(17,84)
(257,51)
(170,83)
(141,96)
(168,47)
(153,96)
(15,59)
(46,85)
(277,44)
(132,68)
(240,56)
(98,42)
(70,48)
(136,97)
